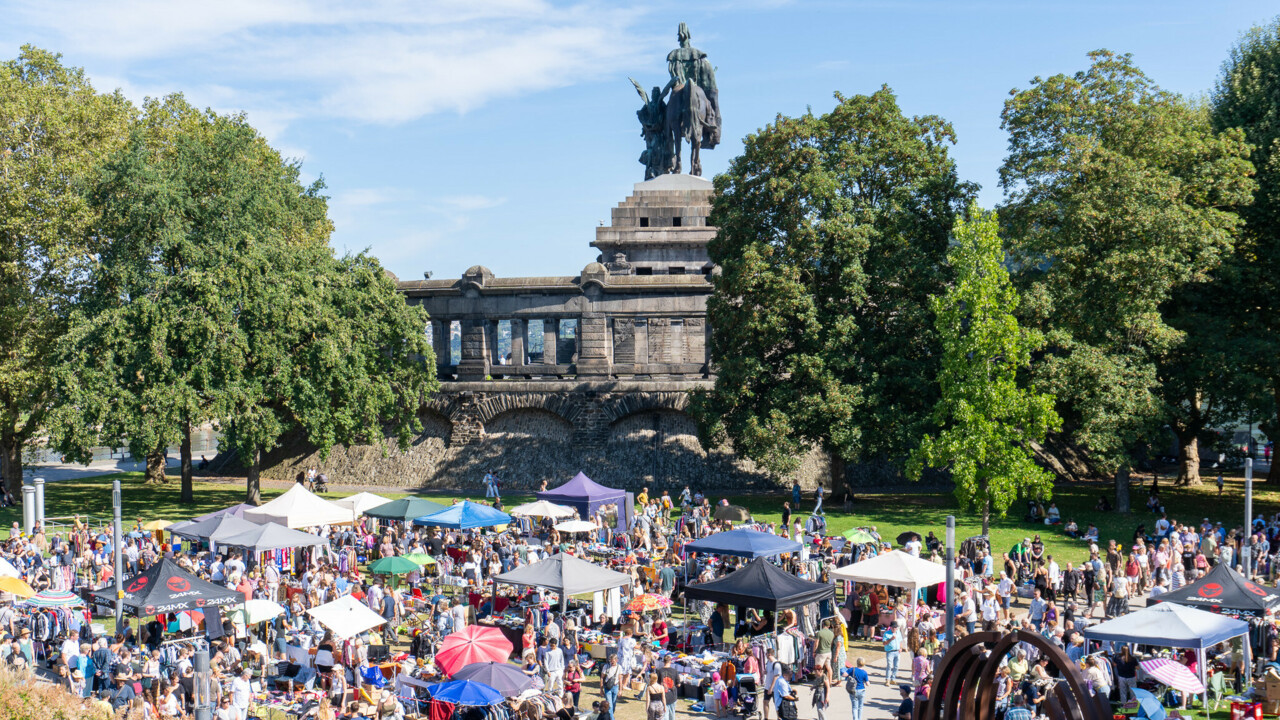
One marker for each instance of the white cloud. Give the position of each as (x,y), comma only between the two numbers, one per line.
(470,203)
(385,62)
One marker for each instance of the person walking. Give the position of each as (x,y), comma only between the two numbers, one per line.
(821,691)
(242,694)
(609,678)
(856,686)
(892,644)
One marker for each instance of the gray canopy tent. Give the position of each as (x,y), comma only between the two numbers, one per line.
(565,574)
(273,536)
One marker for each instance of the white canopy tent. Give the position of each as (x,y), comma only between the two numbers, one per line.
(298,508)
(897,568)
(346,617)
(360,502)
(543,508)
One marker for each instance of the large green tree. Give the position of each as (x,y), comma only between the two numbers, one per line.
(216,297)
(147,358)
(54,129)
(1116,198)
(1246,97)
(988,418)
(832,237)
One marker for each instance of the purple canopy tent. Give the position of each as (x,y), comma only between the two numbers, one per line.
(588,496)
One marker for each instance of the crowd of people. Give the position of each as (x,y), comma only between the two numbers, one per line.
(739,662)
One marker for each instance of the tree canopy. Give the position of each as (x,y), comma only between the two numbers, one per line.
(54,130)
(832,237)
(1117,197)
(988,419)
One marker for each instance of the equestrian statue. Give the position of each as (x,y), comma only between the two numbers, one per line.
(687,109)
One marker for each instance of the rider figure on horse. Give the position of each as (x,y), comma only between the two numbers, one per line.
(689,64)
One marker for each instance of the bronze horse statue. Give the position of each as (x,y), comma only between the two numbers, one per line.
(688,114)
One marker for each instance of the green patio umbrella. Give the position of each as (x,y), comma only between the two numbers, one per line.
(420,558)
(394,565)
(858,536)
(404,509)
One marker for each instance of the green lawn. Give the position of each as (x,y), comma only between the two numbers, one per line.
(890,513)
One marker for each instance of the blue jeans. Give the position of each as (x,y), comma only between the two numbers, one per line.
(891,665)
(611,697)
(856,699)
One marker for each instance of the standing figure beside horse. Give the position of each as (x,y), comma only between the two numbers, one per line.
(691,112)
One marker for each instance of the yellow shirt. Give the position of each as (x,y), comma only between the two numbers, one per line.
(642,499)
(1017,669)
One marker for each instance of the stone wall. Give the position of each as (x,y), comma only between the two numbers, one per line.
(627,438)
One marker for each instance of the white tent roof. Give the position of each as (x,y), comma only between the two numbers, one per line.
(575,526)
(299,507)
(544,508)
(346,616)
(360,502)
(1169,625)
(8,570)
(566,575)
(897,568)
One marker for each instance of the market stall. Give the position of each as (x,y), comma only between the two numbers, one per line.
(298,508)
(346,617)
(1170,625)
(466,515)
(762,585)
(744,542)
(1223,590)
(361,502)
(236,510)
(214,529)
(897,568)
(167,588)
(588,496)
(272,536)
(404,509)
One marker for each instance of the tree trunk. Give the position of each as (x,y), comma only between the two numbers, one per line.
(837,474)
(1122,490)
(188,491)
(253,493)
(155,468)
(986,517)
(1189,460)
(11,466)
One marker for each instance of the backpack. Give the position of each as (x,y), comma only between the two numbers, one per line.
(865,602)
(851,684)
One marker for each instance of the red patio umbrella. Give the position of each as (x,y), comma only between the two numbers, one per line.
(472,644)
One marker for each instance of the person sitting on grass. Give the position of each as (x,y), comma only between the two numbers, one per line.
(1091,535)
(1071,529)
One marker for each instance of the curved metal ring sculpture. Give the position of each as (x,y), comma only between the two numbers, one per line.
(964,683)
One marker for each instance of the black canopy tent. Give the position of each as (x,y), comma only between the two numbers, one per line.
(167,588)
(762,585)
(1227,592)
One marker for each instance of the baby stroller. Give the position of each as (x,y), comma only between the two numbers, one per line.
(749,699)
(321,483)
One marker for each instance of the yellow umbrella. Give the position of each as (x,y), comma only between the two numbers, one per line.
(156,525)
(16,586)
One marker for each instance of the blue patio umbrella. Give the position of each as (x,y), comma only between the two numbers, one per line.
(1148,706)
(467,693)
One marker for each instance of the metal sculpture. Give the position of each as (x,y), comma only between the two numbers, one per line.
(964,684)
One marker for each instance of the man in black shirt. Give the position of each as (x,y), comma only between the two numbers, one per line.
(670,680)
(908,705)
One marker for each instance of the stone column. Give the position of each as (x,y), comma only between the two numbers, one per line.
(491,337)
(440,330)
(518,333)
(550,336)
(593,346)
(475,357)
(695,342)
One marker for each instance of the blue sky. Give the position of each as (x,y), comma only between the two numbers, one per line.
(501,132)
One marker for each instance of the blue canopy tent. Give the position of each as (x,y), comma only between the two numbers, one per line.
(588,496)
(465,516)
(1173,626)
(744,542)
